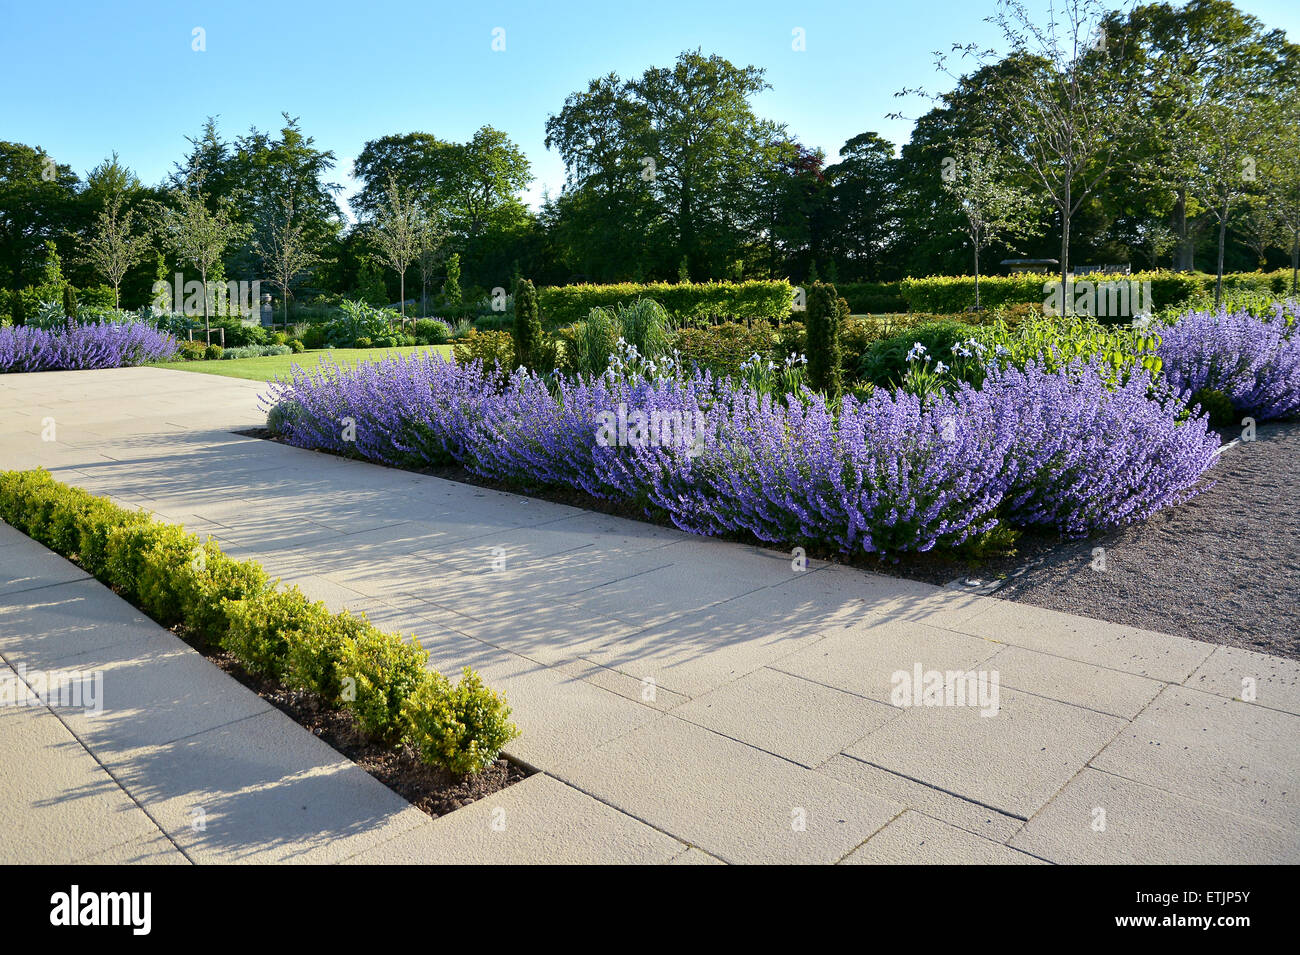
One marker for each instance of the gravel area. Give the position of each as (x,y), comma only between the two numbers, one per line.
(1224,567)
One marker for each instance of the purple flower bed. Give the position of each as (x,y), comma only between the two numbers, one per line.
(25,348)
(890,474)
(1255,362)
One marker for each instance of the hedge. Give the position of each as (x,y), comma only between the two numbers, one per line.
(940,293)
(380,678)
(693,304)
(873,298)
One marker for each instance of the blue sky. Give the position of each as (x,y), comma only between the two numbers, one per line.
(82,79)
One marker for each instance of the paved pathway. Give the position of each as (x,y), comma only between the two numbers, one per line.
(686,700)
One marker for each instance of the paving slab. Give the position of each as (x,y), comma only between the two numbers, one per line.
(50,626)
(1013,761)
(917,839)
(694,856)
(149,850)
(731,800)
(1111,645)
(1233,755)
(1070,681)
(865,658)
(788,716)
(61,806)
(264,790)
(1148,825)
(153,692)
(987,823)
(1271,681)
(538,820)
(29,568)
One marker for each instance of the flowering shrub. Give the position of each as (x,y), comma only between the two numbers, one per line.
(83,346)
(1067,449)
(1254,361)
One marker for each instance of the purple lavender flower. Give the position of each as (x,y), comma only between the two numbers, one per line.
(110,345)
(886,475)
(1254,361)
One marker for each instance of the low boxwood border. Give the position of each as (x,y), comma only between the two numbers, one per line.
(381,679)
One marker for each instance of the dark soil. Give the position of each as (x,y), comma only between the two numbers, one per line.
(426,787)
(1223,567)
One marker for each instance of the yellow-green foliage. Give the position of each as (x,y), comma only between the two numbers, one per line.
(1055,342)
(260,628)
(490,347)
(380,677)
(955,293)
(461,727)
(384,671)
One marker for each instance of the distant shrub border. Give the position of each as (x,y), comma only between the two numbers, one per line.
(26,348)
(955,293)
(687,304)
(278,634)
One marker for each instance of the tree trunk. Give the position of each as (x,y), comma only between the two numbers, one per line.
(207,324)
(977,275)
(402,304)
(1184,260)
(1067,303)
(1223,234)
(1295,259)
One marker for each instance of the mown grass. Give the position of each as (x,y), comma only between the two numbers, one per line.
(274,366)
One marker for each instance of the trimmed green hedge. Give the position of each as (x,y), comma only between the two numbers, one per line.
(948,294)
(695,304)
(873,298)
(380,678)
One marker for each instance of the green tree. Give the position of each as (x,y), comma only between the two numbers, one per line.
(36,196)
(527,325)
(395,233)
(451,286)
(200,236)
(993,206)
(115,246)
(286,251)
(862,199)
(1225,168)
(1057,103)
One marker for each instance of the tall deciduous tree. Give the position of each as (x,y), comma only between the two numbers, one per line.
(396,233)
(200,236)
(993,206)
(114,246)
(429,239)
(286,251)
(1061,104)
(687,138)
(1226,167)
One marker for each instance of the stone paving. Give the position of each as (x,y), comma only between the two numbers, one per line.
(684,700)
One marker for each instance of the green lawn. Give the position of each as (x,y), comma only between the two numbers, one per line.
(273,366)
